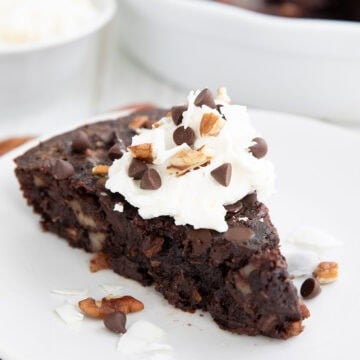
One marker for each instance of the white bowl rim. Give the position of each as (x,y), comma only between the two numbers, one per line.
(305,37)
(106,15)
(268,19)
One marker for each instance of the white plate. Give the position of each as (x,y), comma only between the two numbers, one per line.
(318,184)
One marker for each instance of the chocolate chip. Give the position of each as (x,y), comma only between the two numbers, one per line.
(151,180)
(200,234)
(116,151)
(114,137)
(218,107)
(235,207)
(250,200)
(239,234)
(220,252)
(115,322)
(177,113)
(136,169)
(222,174)
(259,150)
(182,135)
(80,142)
(205,98)
(310,288)
(62,169)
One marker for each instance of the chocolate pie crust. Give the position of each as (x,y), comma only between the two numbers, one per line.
(239,277)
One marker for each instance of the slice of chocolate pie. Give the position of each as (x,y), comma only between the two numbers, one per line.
(171,198)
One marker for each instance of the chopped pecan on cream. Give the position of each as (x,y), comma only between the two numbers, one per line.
(157,124)
(108,305)
(211,124)
(143,152)
(186,160)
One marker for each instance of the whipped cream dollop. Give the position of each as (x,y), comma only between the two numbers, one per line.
(31,21)
(193,195)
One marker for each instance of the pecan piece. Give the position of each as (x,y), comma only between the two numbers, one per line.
(186,160)
(326,272)
(100,261)
(157,124)
(294,329)
(100,170)
(304,310)
(211,124)
(143,152)
(100,309)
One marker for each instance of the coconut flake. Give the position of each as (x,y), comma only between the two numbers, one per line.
(311,238)
(222,97)
(142,337)
(300,262)
(305,247)
(119,207)
(69,313)
(69,292)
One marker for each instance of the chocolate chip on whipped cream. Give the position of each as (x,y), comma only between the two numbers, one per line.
(192,150)
(177,113)
(137,169)
(222,174)
(150,180)
(182,135)
(260,148)
(205,97)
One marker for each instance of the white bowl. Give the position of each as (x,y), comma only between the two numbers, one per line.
(310,67)
(53,77)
